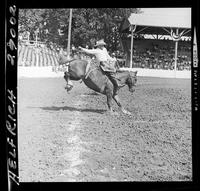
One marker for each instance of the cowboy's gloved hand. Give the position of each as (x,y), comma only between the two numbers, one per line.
(80,48)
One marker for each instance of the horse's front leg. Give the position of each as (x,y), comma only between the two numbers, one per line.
(109,101)
(117,100)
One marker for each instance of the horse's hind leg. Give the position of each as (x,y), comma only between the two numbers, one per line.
(117,100)
(69,84)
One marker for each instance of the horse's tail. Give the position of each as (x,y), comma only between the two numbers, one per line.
(63,60)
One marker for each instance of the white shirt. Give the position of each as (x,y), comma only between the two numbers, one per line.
(100,54)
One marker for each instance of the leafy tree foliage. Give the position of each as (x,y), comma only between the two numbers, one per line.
(88,25)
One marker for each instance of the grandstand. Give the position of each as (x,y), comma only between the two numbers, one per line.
(171,54)
(158,54)
(39,56)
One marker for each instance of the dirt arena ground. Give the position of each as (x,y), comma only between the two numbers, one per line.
(70,137)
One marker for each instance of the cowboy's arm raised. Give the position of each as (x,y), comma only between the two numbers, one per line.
(88,51)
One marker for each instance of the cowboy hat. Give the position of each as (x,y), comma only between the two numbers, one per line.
(100,42)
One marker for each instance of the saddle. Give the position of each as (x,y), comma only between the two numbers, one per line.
(93,65)
(108,66)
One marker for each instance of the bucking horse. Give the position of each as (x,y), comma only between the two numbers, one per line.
(94,78)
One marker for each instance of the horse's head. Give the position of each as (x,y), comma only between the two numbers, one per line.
(131,81)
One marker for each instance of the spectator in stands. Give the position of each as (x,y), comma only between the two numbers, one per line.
(162,57)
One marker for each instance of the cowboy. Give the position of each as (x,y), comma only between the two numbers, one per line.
(107,63)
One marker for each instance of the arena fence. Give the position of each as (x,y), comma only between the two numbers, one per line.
(48,71)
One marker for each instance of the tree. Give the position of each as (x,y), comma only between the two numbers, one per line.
(31,20)
(88,25)
(94,24)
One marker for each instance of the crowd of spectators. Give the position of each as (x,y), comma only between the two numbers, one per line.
(162,57)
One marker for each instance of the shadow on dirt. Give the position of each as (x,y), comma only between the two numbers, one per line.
(54,108)
(92,93)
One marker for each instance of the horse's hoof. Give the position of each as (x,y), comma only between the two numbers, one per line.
(126,112)
(68,88)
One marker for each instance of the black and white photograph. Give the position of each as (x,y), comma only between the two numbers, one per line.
(104,94)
